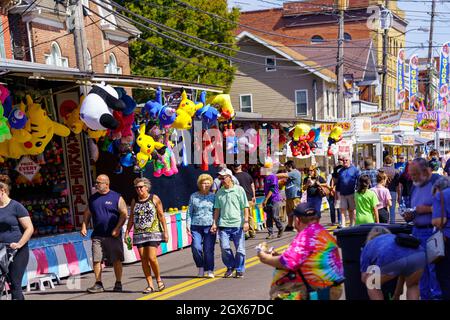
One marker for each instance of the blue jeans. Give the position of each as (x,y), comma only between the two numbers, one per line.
(429,286)
(394,203)
(443,272)
(231,261)
(203,243)
(333,211)
(316,202)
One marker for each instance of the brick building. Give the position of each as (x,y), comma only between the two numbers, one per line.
(40,33)
(316,22)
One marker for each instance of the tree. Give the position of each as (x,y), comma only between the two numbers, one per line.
(148,61)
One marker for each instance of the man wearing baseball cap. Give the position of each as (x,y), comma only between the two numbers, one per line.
(313,253)
(231,212)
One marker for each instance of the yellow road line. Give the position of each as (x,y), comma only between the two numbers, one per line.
(199,282)
(186,286)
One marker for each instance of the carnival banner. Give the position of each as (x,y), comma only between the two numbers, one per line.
(401,94)
(413,81)
(433,121)
(443,77)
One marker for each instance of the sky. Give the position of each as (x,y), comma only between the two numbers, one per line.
(417,14)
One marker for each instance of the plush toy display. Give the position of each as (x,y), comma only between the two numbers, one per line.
(157,110)
(165,164)
(96,109)
(147,145)
(303,140)
(207,113)
(17,118)
(334,137)
(40,129)
(185,111)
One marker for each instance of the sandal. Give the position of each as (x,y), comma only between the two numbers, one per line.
(148,290)
(161,285)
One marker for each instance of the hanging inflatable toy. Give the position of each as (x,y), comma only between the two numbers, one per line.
(222,102)
(185,111)
(166,164)
(147,145)
(40,129)
(5,133)
(17,118)
(334,137)
(303,140)
(157,111)
(207,114)
(124,117)
(96,109)
(71,114)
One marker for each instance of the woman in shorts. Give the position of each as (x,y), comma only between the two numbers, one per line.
(150,230)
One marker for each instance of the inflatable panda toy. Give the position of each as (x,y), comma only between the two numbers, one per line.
(96,109)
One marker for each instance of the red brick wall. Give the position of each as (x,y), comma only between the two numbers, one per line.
(6,35)
(97,45)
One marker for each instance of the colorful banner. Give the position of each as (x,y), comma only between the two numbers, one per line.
(443,77)
(413,81)
(433,121)
(401,93)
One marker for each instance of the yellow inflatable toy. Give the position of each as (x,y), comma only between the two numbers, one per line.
(186,110)
(41,130)
(73,121)
(147,145)
(222,102)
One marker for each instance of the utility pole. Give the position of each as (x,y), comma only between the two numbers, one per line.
(79,36)
(341,4)
(428,91)
(385,68)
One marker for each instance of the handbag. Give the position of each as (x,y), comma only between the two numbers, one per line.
(435,243)
(323,191)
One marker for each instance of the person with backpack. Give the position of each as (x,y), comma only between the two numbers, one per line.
(421,201)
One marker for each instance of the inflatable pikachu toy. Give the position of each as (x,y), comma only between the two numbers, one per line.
(40,129)
(147,145)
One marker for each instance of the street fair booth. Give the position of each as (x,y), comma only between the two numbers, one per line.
(434,125)
(52,139)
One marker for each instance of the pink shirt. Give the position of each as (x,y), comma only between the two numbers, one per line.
(383,195)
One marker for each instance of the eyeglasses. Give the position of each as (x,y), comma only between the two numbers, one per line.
(100,182)
(139,187)
(345,160)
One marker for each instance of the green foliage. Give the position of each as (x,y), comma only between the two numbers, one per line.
(148,61)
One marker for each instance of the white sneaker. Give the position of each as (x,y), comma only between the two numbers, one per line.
(201,273)
(210,274)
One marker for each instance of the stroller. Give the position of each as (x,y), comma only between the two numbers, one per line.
(6,258)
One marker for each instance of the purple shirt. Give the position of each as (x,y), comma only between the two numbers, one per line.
(437,213)
(271,184)
(422,196)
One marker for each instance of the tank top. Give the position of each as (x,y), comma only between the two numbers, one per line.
(146,222)
(105,213)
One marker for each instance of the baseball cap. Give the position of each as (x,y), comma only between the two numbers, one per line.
(225,172)
(305,210)
(236,164)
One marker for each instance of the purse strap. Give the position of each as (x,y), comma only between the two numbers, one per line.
(442,210)
(308,287)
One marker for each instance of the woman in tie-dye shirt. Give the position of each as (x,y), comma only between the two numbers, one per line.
(315,253)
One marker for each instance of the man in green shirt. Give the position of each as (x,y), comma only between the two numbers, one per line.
(231,212)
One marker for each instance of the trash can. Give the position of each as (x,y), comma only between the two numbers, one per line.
(352,241)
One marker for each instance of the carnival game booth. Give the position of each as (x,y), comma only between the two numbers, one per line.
(50,156)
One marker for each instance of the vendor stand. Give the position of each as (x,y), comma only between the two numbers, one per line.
(55,184)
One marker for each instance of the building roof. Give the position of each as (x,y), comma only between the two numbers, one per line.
(293,55)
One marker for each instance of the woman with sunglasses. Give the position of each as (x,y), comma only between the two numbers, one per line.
(150,230)
(311,185)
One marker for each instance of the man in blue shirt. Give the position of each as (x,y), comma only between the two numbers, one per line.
(346,185)
(370,171)
(422,200)
(293,191)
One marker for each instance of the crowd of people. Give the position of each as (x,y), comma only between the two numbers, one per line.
(221,209)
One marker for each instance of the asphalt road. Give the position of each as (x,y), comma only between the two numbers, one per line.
(178,271)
